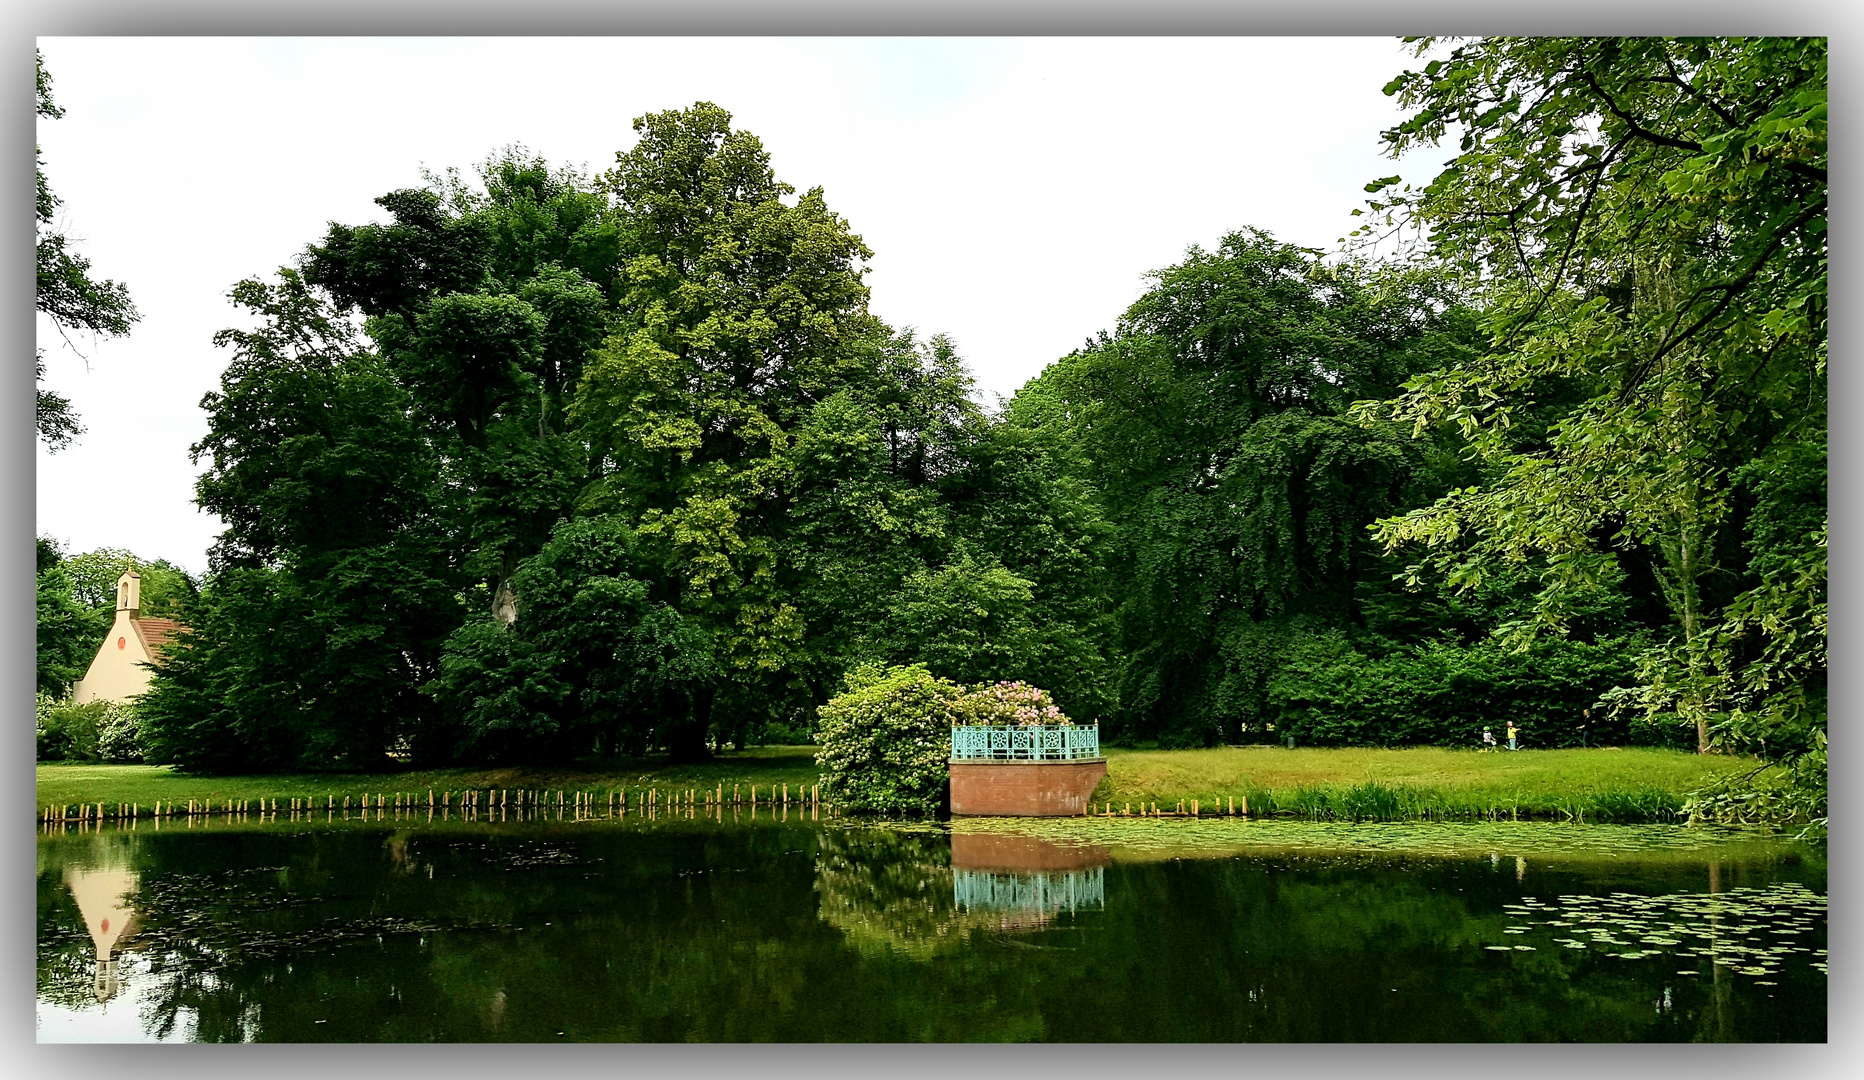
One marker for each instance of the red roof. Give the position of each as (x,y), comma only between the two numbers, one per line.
(157,632)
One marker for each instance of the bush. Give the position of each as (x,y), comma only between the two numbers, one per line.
(1329,694)
(94,731)
(1009,704)
(119,734)
(886,742)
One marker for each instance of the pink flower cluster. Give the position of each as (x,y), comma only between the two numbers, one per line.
(1010,704)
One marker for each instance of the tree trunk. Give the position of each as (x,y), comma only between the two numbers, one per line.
(1680,568)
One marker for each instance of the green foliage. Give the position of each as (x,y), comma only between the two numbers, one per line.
(592,662)
(1235,494)
(625,463)
(119,734)
(738,313)
(331,594)
(67,631)
(65,291)
(1327,693)
(886,741)
(1646,218)
(97,731)
(94,574)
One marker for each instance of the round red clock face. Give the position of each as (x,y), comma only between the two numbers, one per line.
(121,642)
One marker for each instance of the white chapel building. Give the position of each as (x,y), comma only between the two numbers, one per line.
(118,674)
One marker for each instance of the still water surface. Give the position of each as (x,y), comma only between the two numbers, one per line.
(809,929)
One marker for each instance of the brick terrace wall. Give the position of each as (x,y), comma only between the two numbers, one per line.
(1023,788)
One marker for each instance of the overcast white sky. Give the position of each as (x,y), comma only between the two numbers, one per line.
(1015,192)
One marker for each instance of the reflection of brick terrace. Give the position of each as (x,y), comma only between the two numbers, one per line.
(1014,854)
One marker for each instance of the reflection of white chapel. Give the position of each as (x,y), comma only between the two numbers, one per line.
(103,897)
(118,672)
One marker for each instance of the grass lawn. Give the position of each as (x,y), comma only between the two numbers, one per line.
(1162,774)
(1396,784)
(764,766)
(1422,781)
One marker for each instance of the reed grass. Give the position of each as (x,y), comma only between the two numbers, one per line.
(1420,783)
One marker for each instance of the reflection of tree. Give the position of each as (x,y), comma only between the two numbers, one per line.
(699,933)
(890,891)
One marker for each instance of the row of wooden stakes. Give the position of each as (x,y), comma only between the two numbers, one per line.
(471,800)
(1190,809)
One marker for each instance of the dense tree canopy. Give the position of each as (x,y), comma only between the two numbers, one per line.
(1210,426)
(616,464)
(548,464)
(1644,220)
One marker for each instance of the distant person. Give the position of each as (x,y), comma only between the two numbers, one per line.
(1488,739)
(1585,717)
(1511,744)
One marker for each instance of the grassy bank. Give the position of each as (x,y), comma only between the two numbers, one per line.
(766,767)
(1416,783)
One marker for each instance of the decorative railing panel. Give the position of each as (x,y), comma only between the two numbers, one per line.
(1071,743)
(1072,890)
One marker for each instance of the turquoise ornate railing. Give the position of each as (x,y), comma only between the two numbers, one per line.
(1058,743)
(1071,890)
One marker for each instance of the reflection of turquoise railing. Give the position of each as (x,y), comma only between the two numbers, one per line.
(1025,743)
(1071,890)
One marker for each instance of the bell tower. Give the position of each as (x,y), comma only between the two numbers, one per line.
(129,593)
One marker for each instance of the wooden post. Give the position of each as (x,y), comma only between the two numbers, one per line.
(1245,806)
(1193,807)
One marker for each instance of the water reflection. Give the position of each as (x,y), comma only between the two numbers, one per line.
(103,899)
(1026,880)
(689,927)
(922,894)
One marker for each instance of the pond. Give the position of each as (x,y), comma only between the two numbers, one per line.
(810,927)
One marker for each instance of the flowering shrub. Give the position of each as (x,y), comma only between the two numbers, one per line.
(886,742)
(95,731)
(1009,704)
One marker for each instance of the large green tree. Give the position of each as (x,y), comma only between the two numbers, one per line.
(1210,427)
(1644,220)
(334,582)
(739,314)
(615,465)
